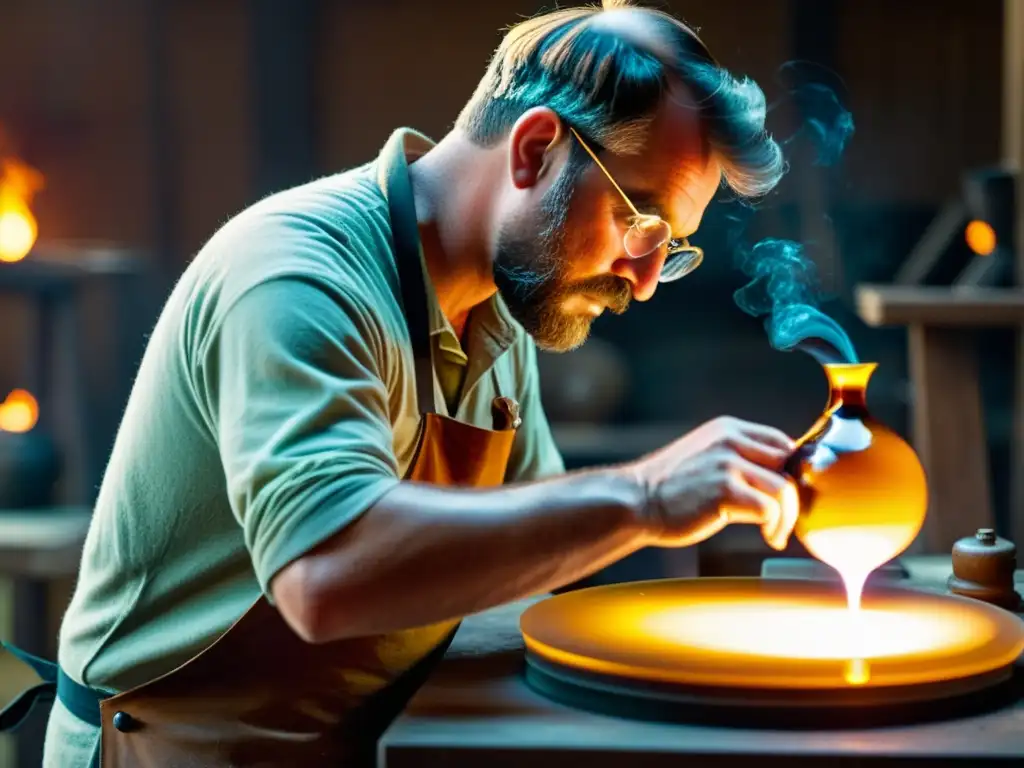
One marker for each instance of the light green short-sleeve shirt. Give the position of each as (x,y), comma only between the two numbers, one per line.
(275,403)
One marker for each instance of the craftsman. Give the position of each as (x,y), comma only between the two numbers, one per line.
(279,550)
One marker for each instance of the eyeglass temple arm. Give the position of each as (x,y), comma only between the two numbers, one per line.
(605,171)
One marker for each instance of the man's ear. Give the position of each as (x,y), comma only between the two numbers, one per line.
(532,141)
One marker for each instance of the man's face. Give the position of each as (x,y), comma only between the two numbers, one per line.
(559,259)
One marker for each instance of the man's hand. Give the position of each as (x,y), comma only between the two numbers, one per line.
(725,471)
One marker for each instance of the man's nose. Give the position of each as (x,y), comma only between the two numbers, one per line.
(642,274)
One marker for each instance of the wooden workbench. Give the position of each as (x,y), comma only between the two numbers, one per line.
(476,710)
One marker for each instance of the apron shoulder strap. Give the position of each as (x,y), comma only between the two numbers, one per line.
(402,208)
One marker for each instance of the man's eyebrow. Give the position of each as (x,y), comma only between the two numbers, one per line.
(646,200)
(649,201)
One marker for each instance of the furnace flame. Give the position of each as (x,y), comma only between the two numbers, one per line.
(19,412)
(18,227)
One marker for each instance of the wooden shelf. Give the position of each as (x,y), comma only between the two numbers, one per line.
(940,306)
(57,267)
(42,543)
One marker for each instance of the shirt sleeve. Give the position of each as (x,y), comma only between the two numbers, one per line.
(302,417)
(535,454)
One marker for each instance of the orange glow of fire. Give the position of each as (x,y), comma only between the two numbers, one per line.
(980,237)
(19,412)
(18,226)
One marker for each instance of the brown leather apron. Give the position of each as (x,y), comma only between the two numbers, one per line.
(259,695)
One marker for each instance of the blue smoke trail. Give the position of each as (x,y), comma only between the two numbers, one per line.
(784,286)
(828,125)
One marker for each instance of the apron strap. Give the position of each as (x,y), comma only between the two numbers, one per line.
(14,714)
(47,670)
(80,700)
(374,716)
(402,208)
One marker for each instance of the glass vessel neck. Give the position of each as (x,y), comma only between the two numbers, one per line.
(848,383)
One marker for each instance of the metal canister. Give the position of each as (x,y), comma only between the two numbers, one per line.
(983,567)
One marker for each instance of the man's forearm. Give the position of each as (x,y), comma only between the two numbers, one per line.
(424,554)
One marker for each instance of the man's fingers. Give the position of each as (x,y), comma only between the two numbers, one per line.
(761,453)
(789,506)
(776,512)
(760,478)
(733,514)
(746,504)
(781,505)
(769,436)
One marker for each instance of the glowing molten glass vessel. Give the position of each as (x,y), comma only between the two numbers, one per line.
(794,638)
(863,493)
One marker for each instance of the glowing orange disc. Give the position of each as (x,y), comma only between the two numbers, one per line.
(980,237)
(749,633)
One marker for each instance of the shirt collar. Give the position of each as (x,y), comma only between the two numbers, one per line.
(491,318)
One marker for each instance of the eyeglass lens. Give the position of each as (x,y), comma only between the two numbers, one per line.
(646,235)
(680,264)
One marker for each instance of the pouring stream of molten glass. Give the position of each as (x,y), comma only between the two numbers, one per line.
(854,553)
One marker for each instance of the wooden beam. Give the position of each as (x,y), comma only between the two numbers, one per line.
(940,306)
(933,244)
(949,434)
(1013,88)
(1013,157)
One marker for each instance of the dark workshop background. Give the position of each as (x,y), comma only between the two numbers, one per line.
(154,121)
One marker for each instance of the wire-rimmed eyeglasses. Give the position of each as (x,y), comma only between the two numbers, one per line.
(648,232)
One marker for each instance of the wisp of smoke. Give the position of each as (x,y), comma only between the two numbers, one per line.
(784,289)
(827,124)
(784,286)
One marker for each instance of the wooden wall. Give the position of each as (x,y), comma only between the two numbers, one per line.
(75,93)
(922,78)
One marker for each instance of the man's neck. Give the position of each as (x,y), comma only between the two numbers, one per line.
(453,208)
